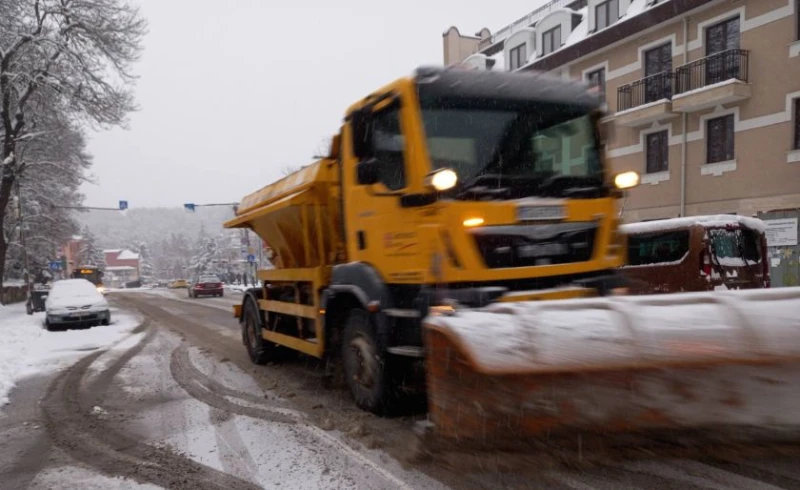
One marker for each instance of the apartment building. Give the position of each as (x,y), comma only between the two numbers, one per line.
(703,96)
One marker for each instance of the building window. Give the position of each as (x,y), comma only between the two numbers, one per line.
(551,40)
(722,63)
(657,152)
(658,73)
(797,124)
(597,79)
(720,139)
(518,57)
(606,14)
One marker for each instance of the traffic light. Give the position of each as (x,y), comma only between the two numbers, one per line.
(123,205)
(189,206)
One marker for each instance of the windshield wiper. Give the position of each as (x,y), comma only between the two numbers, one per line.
(477,187)
(574,186)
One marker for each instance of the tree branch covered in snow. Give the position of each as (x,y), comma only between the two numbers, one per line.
(64,65)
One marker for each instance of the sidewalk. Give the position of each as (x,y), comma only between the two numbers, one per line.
(26,348)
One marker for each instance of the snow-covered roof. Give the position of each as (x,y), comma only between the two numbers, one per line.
(112,251)
(581,30)
(578,34)
(499,61)
(715,220)
(116,268)
(127,255)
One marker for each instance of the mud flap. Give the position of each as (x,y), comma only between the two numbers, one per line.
(509,373)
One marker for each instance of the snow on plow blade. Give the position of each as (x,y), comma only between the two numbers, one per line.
(513,372)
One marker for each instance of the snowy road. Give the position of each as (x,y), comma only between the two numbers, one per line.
(176,403)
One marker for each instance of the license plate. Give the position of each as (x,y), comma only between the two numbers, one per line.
(542,250)
(540,213)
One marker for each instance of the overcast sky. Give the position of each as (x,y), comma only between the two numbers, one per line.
(231,94)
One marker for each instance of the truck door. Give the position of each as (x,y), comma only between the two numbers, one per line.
(381,231)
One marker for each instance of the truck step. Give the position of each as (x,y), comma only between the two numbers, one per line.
(407,351)
(401,313)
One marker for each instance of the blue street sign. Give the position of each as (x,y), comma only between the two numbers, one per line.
(123,205)
(189,206)
(55,265)
(251,258)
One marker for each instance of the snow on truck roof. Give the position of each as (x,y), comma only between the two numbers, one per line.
(714,220)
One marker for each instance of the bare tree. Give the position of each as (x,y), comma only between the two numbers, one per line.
(50,172)
(61,59)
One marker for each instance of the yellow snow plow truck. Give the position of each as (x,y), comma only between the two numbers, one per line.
(463,231)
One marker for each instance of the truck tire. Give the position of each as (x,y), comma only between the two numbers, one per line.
(363,364)
(260,351)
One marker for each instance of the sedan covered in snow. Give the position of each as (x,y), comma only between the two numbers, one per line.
(75,302)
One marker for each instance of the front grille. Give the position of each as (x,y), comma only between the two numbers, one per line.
(532,245)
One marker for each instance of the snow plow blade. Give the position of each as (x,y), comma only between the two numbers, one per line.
(515,372)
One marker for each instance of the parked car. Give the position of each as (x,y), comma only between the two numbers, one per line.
(699,253)
(75,303)
(206,285)
(179,284)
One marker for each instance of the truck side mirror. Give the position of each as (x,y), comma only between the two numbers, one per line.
(360,122)
(367,172)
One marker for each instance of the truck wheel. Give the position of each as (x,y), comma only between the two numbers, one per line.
(260,352)
(364,365)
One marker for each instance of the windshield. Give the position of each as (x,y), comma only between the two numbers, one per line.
(514,149)
(732,246)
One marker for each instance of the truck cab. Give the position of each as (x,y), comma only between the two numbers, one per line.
(482,184)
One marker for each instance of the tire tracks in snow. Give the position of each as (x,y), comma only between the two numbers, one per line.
(216,395)
(221,397)
(73,428)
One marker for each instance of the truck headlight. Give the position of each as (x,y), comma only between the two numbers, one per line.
(442,179)
(626,180)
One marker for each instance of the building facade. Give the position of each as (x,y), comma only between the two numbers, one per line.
(70,254)
(703,96)
(122,267)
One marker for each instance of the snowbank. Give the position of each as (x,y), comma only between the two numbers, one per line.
(26,348)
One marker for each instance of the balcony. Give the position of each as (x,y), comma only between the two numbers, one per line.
(721,78)
(645,101)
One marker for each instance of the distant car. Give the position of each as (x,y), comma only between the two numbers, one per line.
(179,284)
(75,303)
(206,286)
